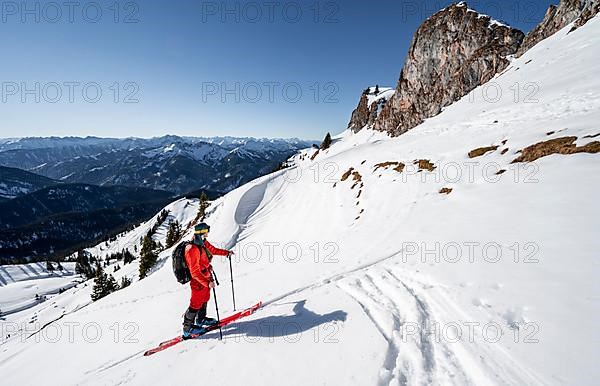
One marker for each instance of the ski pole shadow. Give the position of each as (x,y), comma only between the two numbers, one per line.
(276,326)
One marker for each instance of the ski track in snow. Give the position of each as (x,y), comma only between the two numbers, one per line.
(404,316)
(389,303)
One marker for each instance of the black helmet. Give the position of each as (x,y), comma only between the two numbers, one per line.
(201,229)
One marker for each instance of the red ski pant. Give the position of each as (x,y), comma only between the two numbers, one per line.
(200,295)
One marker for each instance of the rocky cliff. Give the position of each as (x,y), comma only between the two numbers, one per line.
(557,17)
(371,102)
(451,53)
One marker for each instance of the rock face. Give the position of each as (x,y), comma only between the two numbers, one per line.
(370,105)
(451,53)
(557,17)
(590,9)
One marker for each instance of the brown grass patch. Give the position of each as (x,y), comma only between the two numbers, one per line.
(504,141)
(398,166)
(346,174)
(357,179)
(504,151)
(563,145)
(445,190)
(500,171)
(362,163)
(592,147)
(481,151)
(425,164)
(550,132)
(591,136)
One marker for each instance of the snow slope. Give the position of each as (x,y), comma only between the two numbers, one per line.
(378,278)
(19,285)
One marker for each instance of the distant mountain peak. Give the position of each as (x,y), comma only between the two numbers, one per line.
(173,163)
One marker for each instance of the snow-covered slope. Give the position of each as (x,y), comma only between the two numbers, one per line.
(370,275)
(25,285)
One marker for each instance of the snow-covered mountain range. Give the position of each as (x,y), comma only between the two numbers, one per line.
(463,251)
(15,182)
(172,163)
(99,172)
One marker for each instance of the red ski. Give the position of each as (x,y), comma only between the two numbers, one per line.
(223,322)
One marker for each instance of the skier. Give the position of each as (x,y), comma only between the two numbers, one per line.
(198,256)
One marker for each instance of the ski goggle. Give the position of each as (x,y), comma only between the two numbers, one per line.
(201,232)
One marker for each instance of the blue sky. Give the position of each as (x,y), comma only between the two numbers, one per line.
(203,68)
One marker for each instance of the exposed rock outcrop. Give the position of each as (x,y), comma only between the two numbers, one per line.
(590,10)
(370,105)
(557,17)
(451,53)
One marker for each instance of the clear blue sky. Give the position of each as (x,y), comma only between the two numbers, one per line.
(175,59)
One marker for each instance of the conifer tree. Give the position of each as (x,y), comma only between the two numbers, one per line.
(103,284)
(326,142)
(174,234)
(127,257)
(148,256)
(82,265)
(202,207)
(125,282)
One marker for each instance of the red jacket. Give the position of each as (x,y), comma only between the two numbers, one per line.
(198,262)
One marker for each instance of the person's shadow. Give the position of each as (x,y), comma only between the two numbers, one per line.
(283,325)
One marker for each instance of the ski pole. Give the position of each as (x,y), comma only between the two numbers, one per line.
(218,317)
(232,288)
(214,275)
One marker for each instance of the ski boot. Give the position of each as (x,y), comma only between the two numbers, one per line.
(208,322)
(189,328)
(190,332)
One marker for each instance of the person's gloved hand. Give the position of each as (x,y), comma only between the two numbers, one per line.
(211,284)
